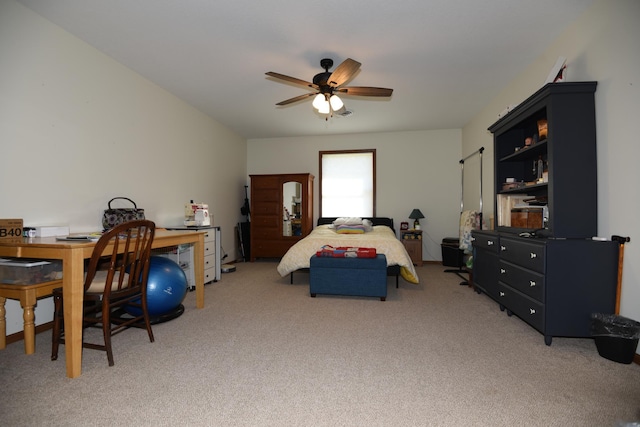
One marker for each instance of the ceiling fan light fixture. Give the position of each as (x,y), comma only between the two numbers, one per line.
(319,101)
(325,108)
(336,103)
(324,100)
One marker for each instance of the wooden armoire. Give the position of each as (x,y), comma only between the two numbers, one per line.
(281,212)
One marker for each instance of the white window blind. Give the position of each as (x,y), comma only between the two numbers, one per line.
(347,183)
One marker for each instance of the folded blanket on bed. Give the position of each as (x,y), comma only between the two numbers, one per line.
(346,252)
(350,229)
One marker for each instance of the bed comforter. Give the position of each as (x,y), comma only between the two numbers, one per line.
(382,238)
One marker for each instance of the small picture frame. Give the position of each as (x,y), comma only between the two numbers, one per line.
(404,226)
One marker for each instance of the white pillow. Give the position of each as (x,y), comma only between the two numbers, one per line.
(348,221)
(368,225)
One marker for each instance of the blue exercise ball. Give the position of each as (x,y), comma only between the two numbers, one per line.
(166,287)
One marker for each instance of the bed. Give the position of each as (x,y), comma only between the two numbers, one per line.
(382,237)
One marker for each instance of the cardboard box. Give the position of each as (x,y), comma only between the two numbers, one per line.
(526,217)
(10,228)
(24,271)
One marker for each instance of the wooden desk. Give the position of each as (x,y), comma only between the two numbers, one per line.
(73,255)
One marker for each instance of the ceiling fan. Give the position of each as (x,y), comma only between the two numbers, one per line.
(328,84)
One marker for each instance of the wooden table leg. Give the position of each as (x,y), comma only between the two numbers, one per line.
(3,324)
(198,261)
(73,295)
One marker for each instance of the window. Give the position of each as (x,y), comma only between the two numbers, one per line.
(348,183)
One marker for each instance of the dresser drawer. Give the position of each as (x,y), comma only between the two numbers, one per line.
(524,253)
(209,275)
(209,236)
(272,221)
(209,248)
(489,242)
(526,281)
(210,261)
(270,248)
(266,182)
(526,308)
(272,209)
(266,196)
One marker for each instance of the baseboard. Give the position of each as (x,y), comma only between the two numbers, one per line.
(636,359)
(19,336)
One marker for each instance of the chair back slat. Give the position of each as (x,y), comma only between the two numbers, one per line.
(128,248)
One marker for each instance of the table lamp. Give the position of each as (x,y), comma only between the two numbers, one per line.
(416,215)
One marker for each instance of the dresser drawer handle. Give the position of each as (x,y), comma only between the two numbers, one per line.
(489,242)
(501,293)
(532,311)
(503,271)
(503,248)
(532,283)
(533,255)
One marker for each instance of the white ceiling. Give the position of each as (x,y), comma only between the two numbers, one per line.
(445,59)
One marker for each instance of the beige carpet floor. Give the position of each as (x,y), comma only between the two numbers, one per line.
(264,353)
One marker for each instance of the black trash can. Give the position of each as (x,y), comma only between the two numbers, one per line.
(616,337)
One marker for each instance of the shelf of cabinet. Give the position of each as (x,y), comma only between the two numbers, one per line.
(525,153)
(567,153)
(525,188)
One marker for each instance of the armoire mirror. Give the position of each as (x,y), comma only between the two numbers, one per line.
(292,201)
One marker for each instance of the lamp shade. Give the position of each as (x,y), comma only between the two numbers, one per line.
(336,103)
(318,101)
(324,108)
(416,214)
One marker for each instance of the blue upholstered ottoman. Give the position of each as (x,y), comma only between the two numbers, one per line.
(349,276)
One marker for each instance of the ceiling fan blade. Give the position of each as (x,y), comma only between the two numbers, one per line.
(344,72)
(291,79)
(296,99)
(365,91)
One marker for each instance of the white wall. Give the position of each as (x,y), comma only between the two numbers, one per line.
(414,170)
(602,45)
(78,128)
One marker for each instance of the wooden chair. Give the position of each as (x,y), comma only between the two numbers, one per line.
(121,259)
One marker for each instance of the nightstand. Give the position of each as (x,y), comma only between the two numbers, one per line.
(412,241)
